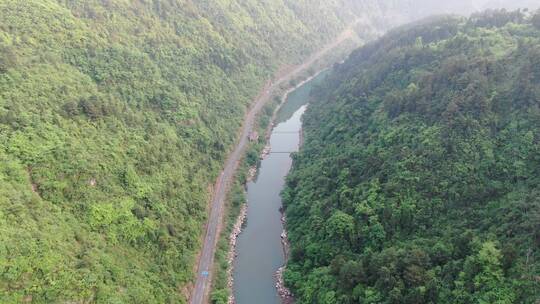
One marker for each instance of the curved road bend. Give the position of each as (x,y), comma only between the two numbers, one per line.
(202,287)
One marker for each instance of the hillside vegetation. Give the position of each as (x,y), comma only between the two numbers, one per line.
(115,117)
(419,179)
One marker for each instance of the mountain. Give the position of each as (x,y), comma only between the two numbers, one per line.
(418,181)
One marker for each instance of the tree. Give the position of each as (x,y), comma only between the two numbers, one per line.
(220,297)
(490,282)
(340,227)
(535,20)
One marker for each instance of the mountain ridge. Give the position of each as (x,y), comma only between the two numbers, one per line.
(418,176)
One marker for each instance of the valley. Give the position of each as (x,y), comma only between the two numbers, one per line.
(406,172)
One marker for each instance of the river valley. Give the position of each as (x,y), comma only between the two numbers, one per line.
(259,248)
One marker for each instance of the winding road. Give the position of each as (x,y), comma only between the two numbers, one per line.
(201,291)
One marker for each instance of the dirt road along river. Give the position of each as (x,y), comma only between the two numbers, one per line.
(201,291)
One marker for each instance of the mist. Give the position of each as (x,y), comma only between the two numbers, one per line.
(507,4)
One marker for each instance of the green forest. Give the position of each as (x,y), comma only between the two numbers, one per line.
(419,178)
(115,118)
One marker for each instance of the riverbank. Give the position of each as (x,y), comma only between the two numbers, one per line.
(283,292)
(232,213)
(237,229)
(259,247)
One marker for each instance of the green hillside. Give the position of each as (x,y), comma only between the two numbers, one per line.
(419,179)
(115,117)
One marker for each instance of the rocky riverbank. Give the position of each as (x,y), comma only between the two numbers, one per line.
(284,293)
(237,229)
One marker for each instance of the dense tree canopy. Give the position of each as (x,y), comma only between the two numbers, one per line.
(419,179)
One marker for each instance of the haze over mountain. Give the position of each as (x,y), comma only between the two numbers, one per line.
(511,5)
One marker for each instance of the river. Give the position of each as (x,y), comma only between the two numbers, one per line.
(259,248)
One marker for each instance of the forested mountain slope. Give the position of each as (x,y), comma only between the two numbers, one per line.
(419,179)
(115,117)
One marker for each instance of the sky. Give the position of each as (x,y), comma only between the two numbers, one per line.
(511,4)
